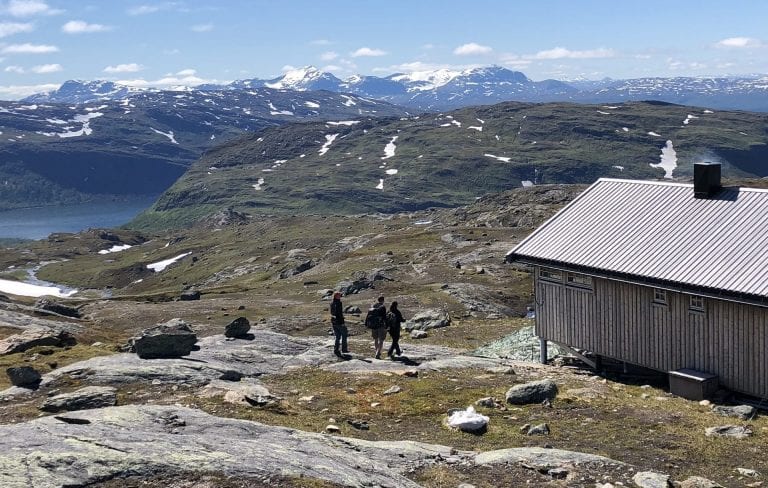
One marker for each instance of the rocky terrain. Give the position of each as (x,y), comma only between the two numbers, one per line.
(202,358)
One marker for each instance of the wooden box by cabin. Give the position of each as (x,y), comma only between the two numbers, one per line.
(692,384)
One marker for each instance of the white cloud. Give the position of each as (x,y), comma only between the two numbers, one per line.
(367,51)
(11,28)
(124,68)
(29,49)
(320,42)
(187,72)
(202,28)
(47,68)
(80,27)
(27,8)
(739,42)
(14,92)
(329,56)
(514,61)
(144,9)
(471,49)
(561,53)
(185,79)
(14,69)
(428,46)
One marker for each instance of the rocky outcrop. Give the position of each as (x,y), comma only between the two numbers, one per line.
(48,305)
(649,479)
(189,295)
(172,339)
(533,392)
(735,431)
(84,398)
(744,412)
(34,338)
(428,319)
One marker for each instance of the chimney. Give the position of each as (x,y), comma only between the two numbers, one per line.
(706,179)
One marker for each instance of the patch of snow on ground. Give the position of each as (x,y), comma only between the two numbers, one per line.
(84,119)
(504,159)
(422,222)
(312,104)
(610,107)
(161,265)
(603,113)
(625,129)
(668,160)
(168,134)
(349,101)
(380,186)
(497,137)
(56,121)
(445,125)
(526,183)
(343,122)
(257,186)
(480,120)
(689,118)
(654,134)
(456,123)
(389,149)
(708,112)
(391,171)
(476,127)
(29,290)
(115,248)
(329,138)
(620,168)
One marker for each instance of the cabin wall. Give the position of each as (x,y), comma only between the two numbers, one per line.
(621,321)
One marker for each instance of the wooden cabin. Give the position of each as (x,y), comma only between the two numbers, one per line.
(668,276)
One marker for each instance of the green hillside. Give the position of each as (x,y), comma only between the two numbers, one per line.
(450,159)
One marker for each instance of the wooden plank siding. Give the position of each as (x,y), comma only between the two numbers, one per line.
(621,321)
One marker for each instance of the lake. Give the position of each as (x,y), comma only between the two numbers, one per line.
(39,222)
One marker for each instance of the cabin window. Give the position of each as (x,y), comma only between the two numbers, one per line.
(550,275)
(582,281)
(696,304)
(659,296)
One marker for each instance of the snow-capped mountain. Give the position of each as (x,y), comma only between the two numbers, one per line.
(447,89)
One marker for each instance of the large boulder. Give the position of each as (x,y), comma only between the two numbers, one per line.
(82,399)
(172,339)
(23,376)
(35,337)
(189,295)
(533,392)
(744,412)
(428,319)
(238,328)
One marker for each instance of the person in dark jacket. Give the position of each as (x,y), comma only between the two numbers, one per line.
(378,317)
(394,328)
(339,328)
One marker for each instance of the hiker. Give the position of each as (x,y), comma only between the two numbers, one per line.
(337,321)
(376,320)
(394,319)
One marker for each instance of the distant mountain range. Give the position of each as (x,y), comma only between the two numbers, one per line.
(446,89)
(101,138)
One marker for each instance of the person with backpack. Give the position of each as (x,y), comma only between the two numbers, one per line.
(394,319)
(376,320)
(339,328)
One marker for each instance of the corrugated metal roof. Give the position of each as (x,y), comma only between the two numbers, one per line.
(659,231)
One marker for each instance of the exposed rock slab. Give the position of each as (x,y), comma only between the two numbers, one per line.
(649,479)
(533,392)
(83,447)
(541,458)
(16,320)
(34,338)
(744,412)
(84,398)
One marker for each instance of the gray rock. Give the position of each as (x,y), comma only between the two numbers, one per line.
(297,269)
(748,472)
(23,376)
(48,305)
(189,295)
(540,458)
(649,479)
(735,431)
(698,482)
(392,390)
(488,402)
(428,319)
(744,412)
(237,328)
(84,398)
(541,429)
(353,309)
(34,338)
(169,340)
(359,424)
(533,392)
(419,334)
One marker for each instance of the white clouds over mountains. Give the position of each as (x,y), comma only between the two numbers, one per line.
(124,68)
(739,42)
(81,27)
(367,51)
(472,49)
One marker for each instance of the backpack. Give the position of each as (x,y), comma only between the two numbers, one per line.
(392,320)
(374,319)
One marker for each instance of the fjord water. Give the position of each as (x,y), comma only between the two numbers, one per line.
(39,222)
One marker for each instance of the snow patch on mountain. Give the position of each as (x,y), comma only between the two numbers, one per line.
(668,160)
(168,134)
(329,138)
(389,149)
(503,159)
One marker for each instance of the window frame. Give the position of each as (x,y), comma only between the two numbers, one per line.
(660,296)
(572,279)
(545,272)
(702,308)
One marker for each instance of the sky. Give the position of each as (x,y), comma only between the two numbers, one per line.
(188,42)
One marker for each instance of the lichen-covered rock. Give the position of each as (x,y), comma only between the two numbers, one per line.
(428,319)
(34,338)
(172,339)
(744,412)
(48,305)
(533,392)
(735,431)
(23,376)
(649,479)
(698,482)
(84,398)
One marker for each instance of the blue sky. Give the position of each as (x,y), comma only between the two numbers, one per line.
(164,43)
